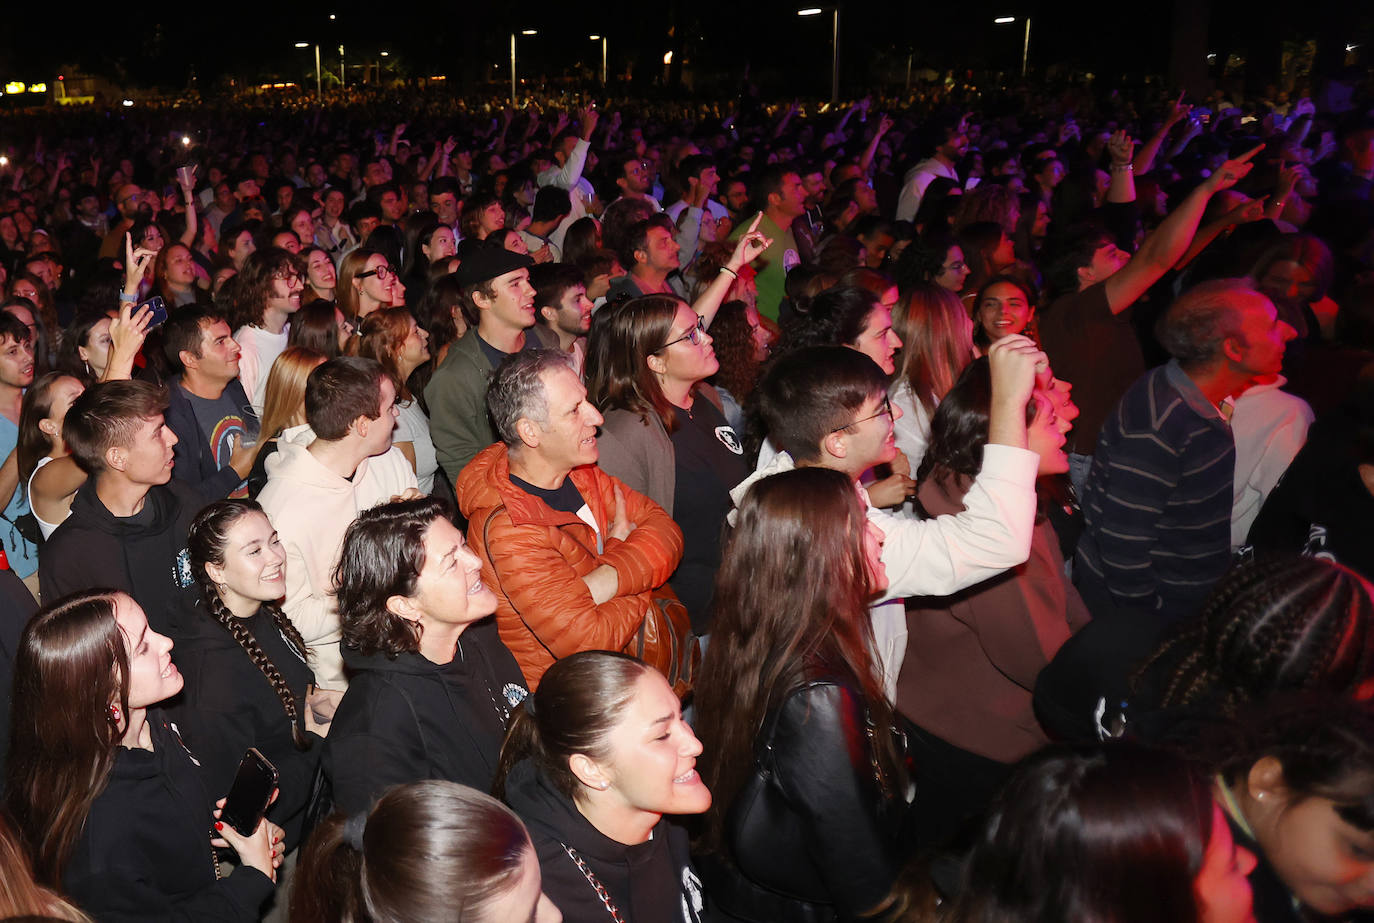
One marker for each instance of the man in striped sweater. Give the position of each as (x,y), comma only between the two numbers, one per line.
(1157,502)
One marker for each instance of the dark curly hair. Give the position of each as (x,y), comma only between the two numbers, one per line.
(383,554)
(733,339)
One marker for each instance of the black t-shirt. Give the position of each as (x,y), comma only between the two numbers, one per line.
(495,356)
(565,497)
(710,460)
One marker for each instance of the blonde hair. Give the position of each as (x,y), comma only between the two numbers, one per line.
(286,390)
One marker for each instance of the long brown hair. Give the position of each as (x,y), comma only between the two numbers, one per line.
(792,592)
(205,542)
(933,325)
(622,338)
(34,444)
(381,336)
(71,667)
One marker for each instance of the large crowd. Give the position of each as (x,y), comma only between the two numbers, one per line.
(948,509)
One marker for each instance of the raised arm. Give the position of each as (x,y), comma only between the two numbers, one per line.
(1163,248)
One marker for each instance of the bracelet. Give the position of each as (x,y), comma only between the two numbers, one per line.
(1122,167)
(126,298)
(727,269)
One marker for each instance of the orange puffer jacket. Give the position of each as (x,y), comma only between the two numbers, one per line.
(534,557)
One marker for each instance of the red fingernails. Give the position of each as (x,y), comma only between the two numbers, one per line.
(219,826)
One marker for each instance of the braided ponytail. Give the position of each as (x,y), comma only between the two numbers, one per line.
(1276,624)
(205,542)
(245,639)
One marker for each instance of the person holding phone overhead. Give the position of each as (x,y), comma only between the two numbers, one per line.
(101,785)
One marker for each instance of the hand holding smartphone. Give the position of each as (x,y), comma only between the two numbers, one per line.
(250,794)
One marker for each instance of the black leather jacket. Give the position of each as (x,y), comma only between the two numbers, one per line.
(813,836)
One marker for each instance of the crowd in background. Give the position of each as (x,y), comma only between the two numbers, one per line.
(949,508)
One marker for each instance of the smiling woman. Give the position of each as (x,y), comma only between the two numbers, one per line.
(592,763)
(972,659)
(247,680)
(101,782)
(431,686)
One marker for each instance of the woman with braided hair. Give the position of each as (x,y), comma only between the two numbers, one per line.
(247,680)
(1279,624)
(1276,625)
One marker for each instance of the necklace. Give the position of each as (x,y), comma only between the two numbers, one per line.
(592,880)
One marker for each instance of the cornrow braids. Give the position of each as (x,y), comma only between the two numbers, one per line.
(1276,624)
(245,639)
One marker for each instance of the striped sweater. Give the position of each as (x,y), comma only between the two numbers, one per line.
(1157,502)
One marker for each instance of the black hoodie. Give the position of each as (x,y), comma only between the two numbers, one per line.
(651,882)
(145,852)
(144,555)
(407,719)
(229,705)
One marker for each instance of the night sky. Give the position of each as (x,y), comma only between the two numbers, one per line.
(156,44)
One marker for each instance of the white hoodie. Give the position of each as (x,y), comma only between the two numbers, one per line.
(940,556)
(311,507)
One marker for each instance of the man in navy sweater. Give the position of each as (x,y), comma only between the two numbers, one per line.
(1157,500)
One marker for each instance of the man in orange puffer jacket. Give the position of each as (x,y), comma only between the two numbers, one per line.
(572,553)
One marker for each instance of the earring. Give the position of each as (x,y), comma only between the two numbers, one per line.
(603,786)
(114,713)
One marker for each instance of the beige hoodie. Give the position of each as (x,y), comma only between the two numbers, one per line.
(311,507)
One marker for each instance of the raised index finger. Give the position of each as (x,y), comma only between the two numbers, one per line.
(754,225)
(1245,158)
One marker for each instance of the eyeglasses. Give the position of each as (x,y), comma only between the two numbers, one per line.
(381,272)
(694,335)
(287,277)
(885,412)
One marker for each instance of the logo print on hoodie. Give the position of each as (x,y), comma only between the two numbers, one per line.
(514,693)
(181,569)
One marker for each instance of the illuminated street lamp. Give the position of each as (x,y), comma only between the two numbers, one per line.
(602,40)
(1025,44)
(512,60)
(318,91)
(834,47)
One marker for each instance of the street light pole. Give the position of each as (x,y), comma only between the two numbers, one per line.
(834,47)
(512,60)
(1025,49)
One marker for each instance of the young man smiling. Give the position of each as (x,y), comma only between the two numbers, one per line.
(207,406)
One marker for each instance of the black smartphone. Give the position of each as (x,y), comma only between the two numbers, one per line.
(250,794)
(159,309)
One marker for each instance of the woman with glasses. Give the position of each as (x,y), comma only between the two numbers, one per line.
(665,433)
(268,291)
(366,283)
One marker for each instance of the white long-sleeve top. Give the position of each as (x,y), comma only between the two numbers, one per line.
(940,556)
